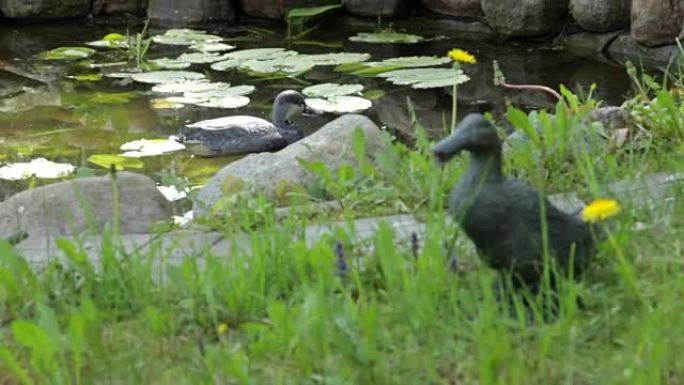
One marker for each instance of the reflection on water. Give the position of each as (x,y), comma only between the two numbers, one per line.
(44,114)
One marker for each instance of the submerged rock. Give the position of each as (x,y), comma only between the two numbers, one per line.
(454,7)
(657,22)
(601,15)
(276,9)
(83,205)
(183,11)
(502,216)
(377,8)
(269,172)
(45,9)
(526,18)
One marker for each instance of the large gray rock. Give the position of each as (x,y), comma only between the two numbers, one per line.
(267,172)
(657,22)
(276,9)
(525,18)
(377,7)
(626,47)
(113,7)
(44,9)
(184,12)
(601,15)
(454,7)
(82,205)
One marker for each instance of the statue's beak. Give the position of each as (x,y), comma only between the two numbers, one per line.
(450,146)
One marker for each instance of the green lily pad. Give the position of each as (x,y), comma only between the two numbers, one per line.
(87,77)
(112,40)
(159,77)
(67,53)
(224,97)
(171,64)
(119,162)
(286,65)
(186,37)
(221,92)
(426,77)
(327,90)
(340,104)
(202,85)
(387,36)
(236,58)
(337,58)
(202,57)
(40,168)
(212,47)
(417,61)
(150,147)
(230,101)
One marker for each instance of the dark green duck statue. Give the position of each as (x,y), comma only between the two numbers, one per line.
(501,215)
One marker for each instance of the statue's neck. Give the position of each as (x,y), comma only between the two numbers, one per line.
(486,165)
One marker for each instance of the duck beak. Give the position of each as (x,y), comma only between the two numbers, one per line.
(450,146)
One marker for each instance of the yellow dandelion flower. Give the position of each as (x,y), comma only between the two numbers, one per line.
(462,56)
(600,209)
(222,329)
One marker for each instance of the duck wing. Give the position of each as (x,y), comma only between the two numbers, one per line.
(238,125)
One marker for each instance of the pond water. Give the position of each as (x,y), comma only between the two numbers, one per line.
(43,113)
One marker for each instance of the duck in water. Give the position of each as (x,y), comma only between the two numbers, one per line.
(241,134)
(502,216)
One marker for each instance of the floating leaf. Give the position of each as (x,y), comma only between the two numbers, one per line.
(158,77)
(416,61)
(202,57)
(185,37)
(171,193)
(337,58)
(327,90)
(340,104)
(221,92)
(67,53)
(374,94)
(283,65)
(311,11)
(118,161)
(112,40)
(232,101)
(172,64)
(387,36)
(234,59)
(87,77)
(40,168)
(212,47)
(164,104)
(426,77)
(368,69)
(150,147)
(189,86)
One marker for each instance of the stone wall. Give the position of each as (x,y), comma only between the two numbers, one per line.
(652,22)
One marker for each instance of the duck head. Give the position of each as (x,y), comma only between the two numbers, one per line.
(474,134)
(287,105)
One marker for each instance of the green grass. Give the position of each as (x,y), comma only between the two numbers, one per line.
(282,314)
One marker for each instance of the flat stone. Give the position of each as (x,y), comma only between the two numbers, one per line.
(625,48)
(364,229)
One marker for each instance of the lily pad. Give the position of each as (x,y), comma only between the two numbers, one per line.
(221,92)
(232,101)
(112,40)
(171,64)
(337,58)
(87,77)
(186,37)
(164,104)
(171,193)
(416,61)
(327,90)
(282,65)
(236,58)
(159,77)
(202,57)
(387,36)
(340,104)
(67,53)
(426,77)
(150,147)
(189,86)
(212,47)
(40,168)
(118,161)
(224,97)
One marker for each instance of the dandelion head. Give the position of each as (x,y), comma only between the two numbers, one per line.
(462,56)
(222,329)
(600,210)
